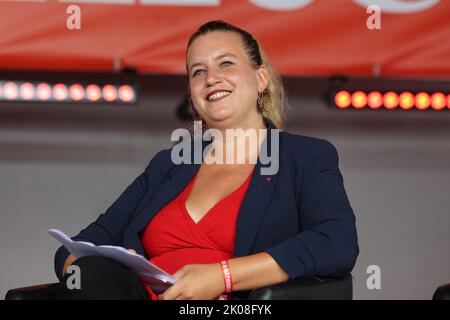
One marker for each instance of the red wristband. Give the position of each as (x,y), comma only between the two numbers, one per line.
(226,270)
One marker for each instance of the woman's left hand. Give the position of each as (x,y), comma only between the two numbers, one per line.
(196,282)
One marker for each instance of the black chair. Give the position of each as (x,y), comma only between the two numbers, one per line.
(298,289)
(307,289)
(442,293)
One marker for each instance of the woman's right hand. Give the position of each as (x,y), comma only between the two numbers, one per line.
(70,259)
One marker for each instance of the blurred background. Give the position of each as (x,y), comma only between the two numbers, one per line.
(91,90)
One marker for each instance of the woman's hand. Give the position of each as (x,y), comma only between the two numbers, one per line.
(70,259)
(196,282)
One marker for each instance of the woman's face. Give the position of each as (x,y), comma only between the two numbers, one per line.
(224,84)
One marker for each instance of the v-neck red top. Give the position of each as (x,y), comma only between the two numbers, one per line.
(173,239)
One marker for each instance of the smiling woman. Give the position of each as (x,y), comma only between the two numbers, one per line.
(222,51)
(223,229)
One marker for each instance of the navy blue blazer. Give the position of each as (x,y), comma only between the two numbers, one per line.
(301,216)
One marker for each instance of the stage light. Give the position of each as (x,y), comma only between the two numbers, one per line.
(422,100)
(109,93)
(76,92)
(406,100)
(93,92)
(60,92)
(359,99)
(126,93)
(10,90)
(28,91)
(44,91)
(342,99)
(375,100)
(390,100)
(438,101)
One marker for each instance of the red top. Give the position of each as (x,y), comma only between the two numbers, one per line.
(172,238)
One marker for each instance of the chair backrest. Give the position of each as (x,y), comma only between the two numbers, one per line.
(442,293)
(39,292)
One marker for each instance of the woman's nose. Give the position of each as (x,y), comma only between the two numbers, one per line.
(212,77)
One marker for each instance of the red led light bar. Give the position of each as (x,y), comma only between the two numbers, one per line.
(22,91)
(392,100)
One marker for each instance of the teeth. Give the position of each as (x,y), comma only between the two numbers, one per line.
(218,95)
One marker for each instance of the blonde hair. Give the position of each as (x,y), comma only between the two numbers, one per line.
(274,102)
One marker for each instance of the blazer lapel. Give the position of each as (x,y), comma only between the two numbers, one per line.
(255,203)
(176,182)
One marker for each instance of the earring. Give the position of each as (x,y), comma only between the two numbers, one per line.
(260,103)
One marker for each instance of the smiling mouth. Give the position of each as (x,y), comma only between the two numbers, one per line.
(218,95)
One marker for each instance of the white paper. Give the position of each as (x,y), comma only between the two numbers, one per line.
(156,278)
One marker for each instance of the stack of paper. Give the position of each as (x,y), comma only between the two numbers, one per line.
(156,278)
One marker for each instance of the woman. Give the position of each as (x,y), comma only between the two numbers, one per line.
(222,228)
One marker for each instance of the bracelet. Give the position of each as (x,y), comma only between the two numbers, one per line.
(226,270)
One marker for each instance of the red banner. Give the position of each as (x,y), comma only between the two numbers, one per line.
(303,37)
